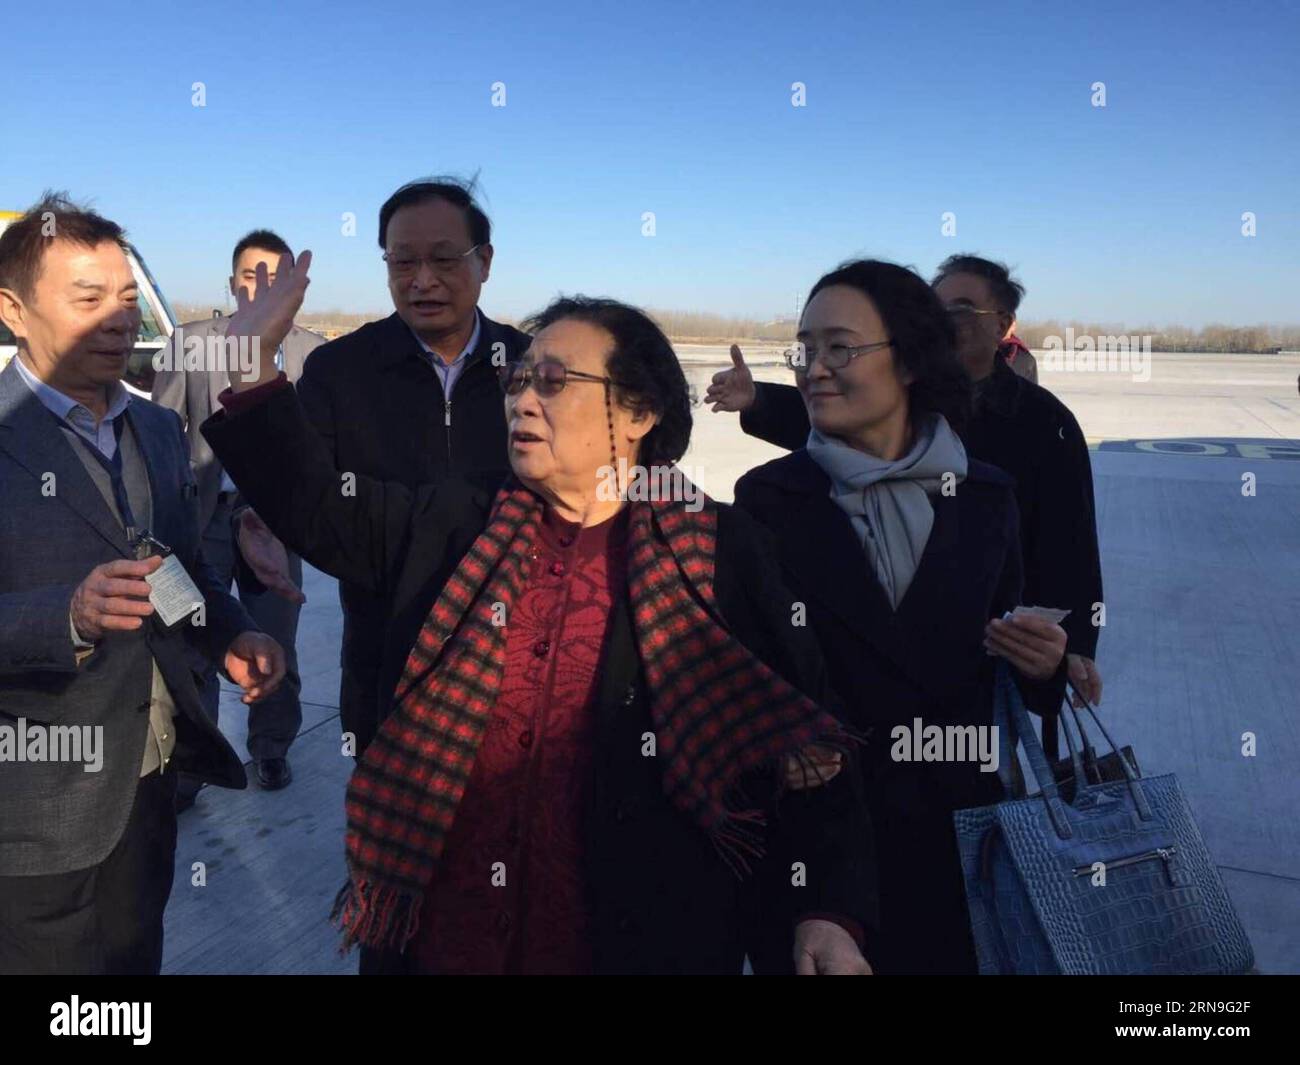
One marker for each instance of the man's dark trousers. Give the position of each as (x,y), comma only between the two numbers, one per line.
(274,722)
(105,920)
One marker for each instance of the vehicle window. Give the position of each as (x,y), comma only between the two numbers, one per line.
(158,333)
(150,330)
(153,332)
(139,370)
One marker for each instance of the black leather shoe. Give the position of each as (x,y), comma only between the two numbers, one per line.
(273,773)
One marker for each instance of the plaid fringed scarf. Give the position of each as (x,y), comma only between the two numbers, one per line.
(718,712)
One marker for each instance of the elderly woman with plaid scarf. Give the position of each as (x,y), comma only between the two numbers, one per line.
(603,711)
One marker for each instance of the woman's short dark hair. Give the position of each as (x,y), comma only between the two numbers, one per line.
(924,343)
(644,368)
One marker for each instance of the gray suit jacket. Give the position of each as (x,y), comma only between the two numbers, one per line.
(54,816)
(194,397)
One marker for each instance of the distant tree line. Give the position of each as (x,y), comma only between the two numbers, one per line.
(719,328)
(1237,339)
(704,327)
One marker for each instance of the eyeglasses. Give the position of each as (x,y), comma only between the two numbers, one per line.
(548,376)
(403,264)
(960,310)
(800,357)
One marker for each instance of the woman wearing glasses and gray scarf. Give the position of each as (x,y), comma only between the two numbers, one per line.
(904,554)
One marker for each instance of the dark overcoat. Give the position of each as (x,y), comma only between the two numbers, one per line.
(924,662)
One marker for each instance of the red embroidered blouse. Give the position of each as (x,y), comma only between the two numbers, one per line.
(510,894)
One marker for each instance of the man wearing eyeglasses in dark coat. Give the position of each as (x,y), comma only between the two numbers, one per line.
(414,396)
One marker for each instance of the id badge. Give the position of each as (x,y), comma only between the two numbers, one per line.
(173,593)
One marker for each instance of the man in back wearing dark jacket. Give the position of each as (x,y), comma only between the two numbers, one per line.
(414,396)
(1027,431)
(1015,425)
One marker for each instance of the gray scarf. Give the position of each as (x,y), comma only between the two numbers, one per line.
(889,502)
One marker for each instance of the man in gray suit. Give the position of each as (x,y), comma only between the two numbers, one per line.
(103,591)
(274,605)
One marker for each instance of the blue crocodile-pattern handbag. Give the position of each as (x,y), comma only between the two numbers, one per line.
(1116,881)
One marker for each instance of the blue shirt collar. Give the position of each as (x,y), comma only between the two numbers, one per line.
(468,350)
(63,407)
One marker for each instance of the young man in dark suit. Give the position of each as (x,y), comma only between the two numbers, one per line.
(188,382)
(98,705)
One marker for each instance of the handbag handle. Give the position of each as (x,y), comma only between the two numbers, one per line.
(1015,729)
(1129,772)
(1075,760)
(1009,712)
(1090,752)
(1130,775)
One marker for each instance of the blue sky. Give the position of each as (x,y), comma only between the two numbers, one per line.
(1127,213)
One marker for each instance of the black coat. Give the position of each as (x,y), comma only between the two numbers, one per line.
(926,660)
(1025,430)
(380,407)
(662,899)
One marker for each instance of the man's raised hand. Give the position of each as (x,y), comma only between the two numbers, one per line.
(732,390)
(265,318)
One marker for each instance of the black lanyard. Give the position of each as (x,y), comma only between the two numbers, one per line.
(113,467)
